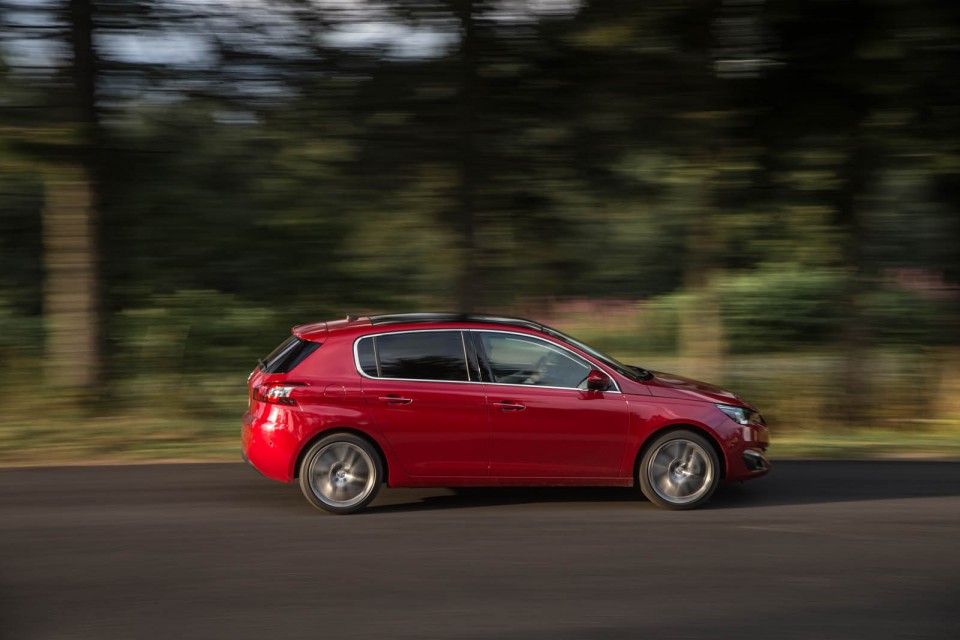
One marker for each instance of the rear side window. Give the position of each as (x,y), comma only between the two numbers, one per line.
(419,355)
(288,355)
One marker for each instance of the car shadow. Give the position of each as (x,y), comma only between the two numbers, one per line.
(399,500)
(796,482)
(791,482)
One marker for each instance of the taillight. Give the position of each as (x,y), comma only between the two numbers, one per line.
(276,393)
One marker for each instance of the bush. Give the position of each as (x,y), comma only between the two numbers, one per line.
(776,308)
(195,331)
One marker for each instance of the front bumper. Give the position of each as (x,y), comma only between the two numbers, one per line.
(745,453)
(755,461)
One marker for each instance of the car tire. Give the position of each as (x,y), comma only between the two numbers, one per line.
(341,473)
(679,470)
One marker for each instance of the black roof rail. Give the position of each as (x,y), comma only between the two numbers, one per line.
(404,318)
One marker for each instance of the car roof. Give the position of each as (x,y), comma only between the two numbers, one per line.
(319,330)
(414,318)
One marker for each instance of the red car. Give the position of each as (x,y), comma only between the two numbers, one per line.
(447,400)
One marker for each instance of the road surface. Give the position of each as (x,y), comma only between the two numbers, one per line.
(817,550)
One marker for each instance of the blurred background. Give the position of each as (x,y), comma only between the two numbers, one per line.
(760,193)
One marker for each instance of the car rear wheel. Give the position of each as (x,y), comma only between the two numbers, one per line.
(679,470)
(341,473)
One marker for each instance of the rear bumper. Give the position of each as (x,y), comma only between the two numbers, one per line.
(268,447)
(244,457)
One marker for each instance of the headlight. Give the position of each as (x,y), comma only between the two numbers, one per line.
(739,414)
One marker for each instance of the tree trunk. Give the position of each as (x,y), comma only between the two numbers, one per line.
(72,301)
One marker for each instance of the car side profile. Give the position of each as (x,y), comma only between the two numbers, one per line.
(452,400)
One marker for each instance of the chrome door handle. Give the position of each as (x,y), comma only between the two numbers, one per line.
(392,399)
(506,405)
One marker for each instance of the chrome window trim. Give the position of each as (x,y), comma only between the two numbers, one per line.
(376,353)
(356,360)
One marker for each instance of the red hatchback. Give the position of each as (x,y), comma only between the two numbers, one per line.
(425,400)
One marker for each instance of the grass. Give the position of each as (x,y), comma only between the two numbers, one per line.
(156,418)
(119,439)
(939,443)
(153,419)
(133,438)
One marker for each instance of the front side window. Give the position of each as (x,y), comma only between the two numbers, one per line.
(518,359)
(417,355)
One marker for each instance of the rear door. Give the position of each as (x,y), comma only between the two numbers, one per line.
(426,401)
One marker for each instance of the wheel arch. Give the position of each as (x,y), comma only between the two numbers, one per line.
(701,431)
(354,432)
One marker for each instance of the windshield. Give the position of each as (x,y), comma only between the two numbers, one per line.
(634,373)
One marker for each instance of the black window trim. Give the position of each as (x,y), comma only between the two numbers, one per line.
(484,373)
(376,356)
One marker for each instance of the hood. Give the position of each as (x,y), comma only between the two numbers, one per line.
(668,385)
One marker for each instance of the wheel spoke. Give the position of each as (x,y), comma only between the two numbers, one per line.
(340,451)
(360,472)
(666,485)
(660,465)
(674,450)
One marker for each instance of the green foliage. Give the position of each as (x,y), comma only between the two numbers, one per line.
(911,318)
(21,336)
(780,306)
(196,331)
(641,330)
(791,157)
(21,248)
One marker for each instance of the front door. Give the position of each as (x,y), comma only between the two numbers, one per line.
(544,423)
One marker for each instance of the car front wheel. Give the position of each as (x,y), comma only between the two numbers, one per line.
(679,470)
(341,473)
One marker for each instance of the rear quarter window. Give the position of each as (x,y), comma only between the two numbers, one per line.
(288,355)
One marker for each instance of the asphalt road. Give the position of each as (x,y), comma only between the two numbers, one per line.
(817,550)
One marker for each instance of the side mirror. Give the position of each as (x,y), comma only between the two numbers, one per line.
(598,381)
